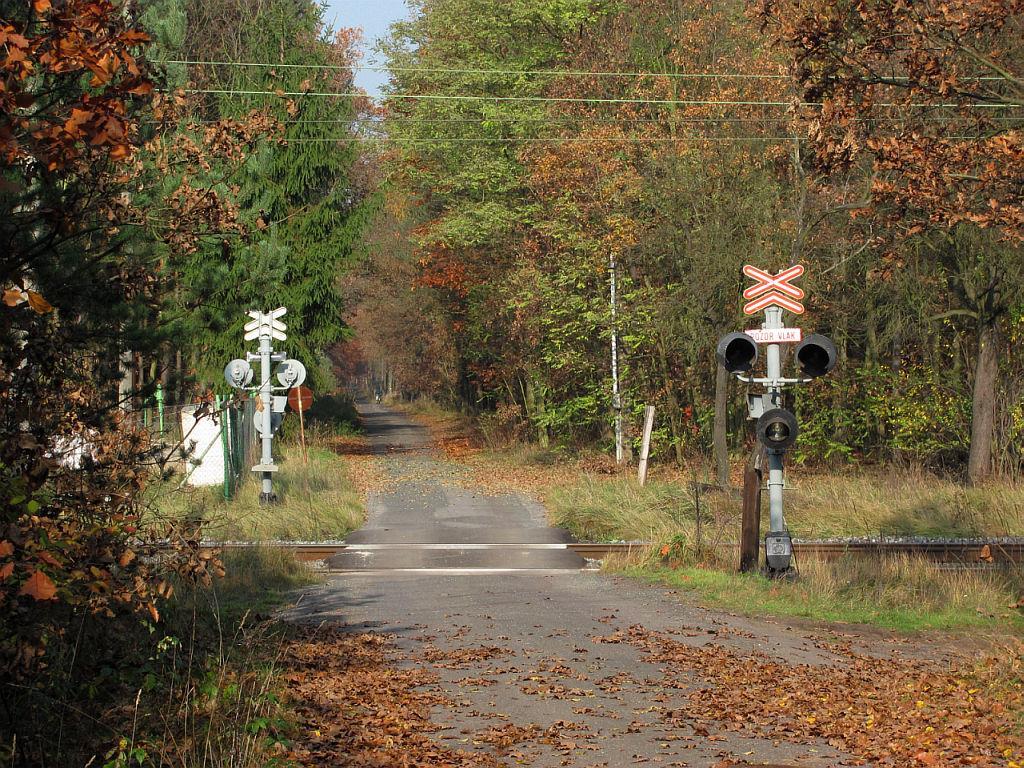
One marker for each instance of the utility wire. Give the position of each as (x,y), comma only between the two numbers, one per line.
(480,71)
(385,122)
(466,97)
(574,100)
(484,71)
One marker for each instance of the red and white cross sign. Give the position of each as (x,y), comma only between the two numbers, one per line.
(773,290)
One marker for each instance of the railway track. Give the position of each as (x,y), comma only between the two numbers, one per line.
(996,551)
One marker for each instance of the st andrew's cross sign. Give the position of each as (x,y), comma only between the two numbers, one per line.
(773,290)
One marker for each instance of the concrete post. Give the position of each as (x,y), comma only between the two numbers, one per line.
(616,395)
(267,494)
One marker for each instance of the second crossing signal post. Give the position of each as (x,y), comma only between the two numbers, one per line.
(266,327)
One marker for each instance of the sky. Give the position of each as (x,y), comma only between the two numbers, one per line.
(373,17)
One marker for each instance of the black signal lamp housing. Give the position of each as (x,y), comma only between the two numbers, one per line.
(737,352)
(816,355)
(777,429)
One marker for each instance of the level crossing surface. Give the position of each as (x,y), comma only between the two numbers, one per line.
(521,635)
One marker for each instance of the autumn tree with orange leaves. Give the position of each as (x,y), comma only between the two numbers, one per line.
(929,99)
(79,287)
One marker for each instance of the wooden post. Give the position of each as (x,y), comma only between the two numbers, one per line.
(750,536)
(645,445)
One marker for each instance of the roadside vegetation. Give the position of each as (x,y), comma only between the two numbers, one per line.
(900,593)
(199,687)
(319,499)
(139,200)
(819,505)
(696,552)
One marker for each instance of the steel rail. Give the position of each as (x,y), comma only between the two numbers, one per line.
(999,551)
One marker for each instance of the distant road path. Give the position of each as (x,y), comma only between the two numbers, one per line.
(424,522)
(476,588)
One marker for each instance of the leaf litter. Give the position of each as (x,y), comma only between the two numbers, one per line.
(363,702)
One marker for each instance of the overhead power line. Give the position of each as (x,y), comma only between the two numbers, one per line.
(481,71)
(516,72)
(474,97)
(571,100)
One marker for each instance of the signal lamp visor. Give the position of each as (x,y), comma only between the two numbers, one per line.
(816,355)
(777,429)
(737,352)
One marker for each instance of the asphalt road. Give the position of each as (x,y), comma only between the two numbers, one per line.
(477,587)
(423,522)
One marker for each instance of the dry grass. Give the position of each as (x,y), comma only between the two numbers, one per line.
(597,508)
(323,499)
(907,504)
(817,506)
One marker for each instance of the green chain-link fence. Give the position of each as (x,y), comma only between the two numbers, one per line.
(238,437)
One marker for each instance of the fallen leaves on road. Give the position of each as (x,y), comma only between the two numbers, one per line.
(358,709)
(361,704)
(461,658)
(364,468)
(884,711)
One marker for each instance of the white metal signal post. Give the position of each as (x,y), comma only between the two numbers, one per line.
(776,426)
(266,326)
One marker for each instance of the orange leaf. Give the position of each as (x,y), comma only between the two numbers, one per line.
(6,548)
(46,557)
(41,6)
(13,297)
(153,612)
(126,557)
(39,586)
(38,303)
(6,570)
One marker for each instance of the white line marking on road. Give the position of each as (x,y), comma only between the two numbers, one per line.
(455,571)
(403,545)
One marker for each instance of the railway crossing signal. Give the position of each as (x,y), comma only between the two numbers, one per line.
(266,326)
(776,428)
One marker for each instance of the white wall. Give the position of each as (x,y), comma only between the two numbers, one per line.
(203,444)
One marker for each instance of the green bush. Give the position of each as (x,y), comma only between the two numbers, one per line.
(333,414)
(913,415)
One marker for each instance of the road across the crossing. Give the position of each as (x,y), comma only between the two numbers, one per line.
(479,589)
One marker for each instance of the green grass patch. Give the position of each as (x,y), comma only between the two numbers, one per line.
(900,593)
(318,500)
